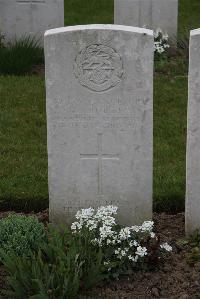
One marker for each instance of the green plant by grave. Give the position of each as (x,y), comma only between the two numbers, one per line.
(124,249)
(1,40)
(20,234)
(161,44)
(174,61)
(57,270)
(19,56)
(72,260)
(193,256)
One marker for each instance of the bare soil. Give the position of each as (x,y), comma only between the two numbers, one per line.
(175,279)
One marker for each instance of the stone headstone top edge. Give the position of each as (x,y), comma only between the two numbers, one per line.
(195,32)
(99,27)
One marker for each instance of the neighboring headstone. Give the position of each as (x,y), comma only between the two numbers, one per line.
(193,137)
(99,81)
(152,14)
(30,17)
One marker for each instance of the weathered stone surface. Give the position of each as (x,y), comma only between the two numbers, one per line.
(193,137)
(99,81)
(30,17)
(152,14)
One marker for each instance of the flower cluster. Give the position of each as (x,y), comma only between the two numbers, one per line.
(122,244)
(103,220)
(160,42)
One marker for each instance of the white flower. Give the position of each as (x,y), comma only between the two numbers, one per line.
(108,241)
(73,226)
(123,252)
(166,246)
(124,233)
(160,50)
(107,220)
(165,37)
(152,234)
(141,251)
(91,224)
(85,214)
(157,33)
(133,243)
(106,231)
(103,225)
(106,211)
(131,258)
(166,46)
(76,226)
(160,41)
(117,251)
(147,226)
(135,228)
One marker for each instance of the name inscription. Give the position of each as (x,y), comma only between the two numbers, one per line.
(104,113)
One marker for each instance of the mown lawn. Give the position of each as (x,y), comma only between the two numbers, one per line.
(23,158)
(23,162)
(79,12)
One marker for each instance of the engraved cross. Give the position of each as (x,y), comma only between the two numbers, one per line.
(99,156)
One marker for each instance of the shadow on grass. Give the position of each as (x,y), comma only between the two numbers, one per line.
(171,204)
(25,205)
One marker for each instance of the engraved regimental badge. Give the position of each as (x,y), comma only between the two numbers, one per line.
(98,67)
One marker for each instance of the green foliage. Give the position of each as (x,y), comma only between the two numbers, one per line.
(53,272)
(65,262)
(63,265)
(20,234)
(19,56)
(1,40)
(93,268)
(174,62)
(124,249)
(59,263)
(194,255)
(183,46)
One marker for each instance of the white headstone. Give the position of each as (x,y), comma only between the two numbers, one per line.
(99,81)
(152,14)
(20,18)
(193,137)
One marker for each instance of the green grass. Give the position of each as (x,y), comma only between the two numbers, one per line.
(170,102)
(189,15)
(79,12)
(23,162)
